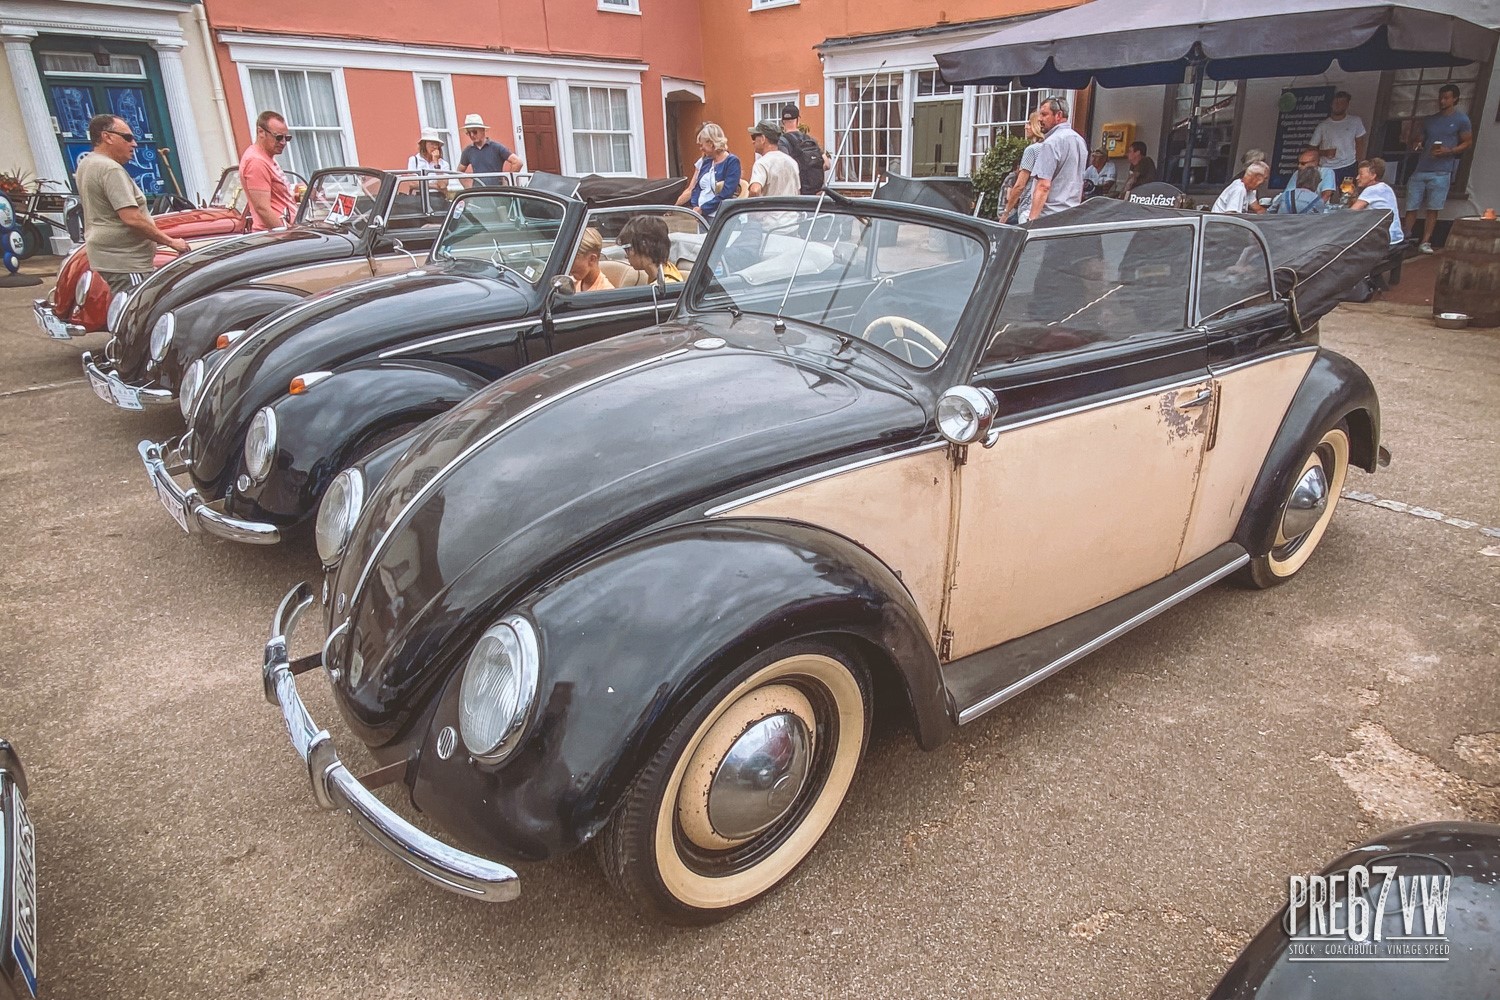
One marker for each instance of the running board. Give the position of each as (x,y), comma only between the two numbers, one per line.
(986,680)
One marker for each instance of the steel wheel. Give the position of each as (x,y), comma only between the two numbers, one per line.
(1306,512)
(744,788)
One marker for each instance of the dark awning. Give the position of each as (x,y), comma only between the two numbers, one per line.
(1131,43)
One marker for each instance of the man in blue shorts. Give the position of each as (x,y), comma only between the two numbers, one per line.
(1446,136)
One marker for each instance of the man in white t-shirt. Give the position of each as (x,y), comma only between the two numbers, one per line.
(1340,139)
(775,173)
(1239,196)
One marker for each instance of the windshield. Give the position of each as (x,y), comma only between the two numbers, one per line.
(347,199)
(229,193)
(509,229)
(901,286)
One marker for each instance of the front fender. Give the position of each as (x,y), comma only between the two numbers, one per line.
(1333,389)
(633,638)
(200,321)
(330,426)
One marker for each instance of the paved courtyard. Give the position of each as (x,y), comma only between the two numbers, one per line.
(1119,831)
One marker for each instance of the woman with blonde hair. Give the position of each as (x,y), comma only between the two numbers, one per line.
(429,155)
(585,269)
(717,177)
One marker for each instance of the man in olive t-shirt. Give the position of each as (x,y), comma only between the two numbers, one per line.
(119,234)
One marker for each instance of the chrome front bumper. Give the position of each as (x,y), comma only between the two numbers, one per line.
(109,387)
(188,508)
(336,789)
(53,327)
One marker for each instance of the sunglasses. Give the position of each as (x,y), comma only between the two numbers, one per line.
(127,136)
(287,137)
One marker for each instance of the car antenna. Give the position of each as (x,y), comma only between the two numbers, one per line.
(780,325)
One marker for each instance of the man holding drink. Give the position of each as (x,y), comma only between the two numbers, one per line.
(1445,137)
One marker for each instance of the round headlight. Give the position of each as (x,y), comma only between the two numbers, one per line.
(161,336)
(338,512)
(260,444)
(498,690)
(116,310)
(964,413)
(81,290)
(192,384)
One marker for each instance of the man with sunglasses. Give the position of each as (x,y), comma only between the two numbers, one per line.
(483,156)
(266,189)
(119,233)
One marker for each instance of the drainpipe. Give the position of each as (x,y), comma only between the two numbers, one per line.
(231,155)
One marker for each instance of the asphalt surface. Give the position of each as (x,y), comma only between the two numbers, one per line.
(1119,831)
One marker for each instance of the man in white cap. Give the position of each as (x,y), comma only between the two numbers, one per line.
(482,156)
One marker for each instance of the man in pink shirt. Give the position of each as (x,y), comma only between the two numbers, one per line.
(266,189)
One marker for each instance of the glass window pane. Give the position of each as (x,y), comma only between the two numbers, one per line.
(583,153)
(325,109)
(1234,269)
(619,111)
(578,104)
(621,158)
(433,104)
(263,89)
(297,110)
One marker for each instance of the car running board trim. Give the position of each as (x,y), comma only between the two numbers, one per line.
(979,683)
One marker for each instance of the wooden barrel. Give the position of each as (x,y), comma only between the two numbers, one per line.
(1468,278)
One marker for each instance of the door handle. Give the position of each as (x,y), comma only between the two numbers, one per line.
(1203,398)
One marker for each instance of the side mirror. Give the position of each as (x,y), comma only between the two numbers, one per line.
(964,414)
(564,284)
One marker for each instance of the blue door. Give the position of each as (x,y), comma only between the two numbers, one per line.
(75,103)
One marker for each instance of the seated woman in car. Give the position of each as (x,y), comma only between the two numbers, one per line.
(647,247)
(585,269)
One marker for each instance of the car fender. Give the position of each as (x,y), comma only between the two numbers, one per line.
(326,428)
(199,323)
(1333,389)
(633,638)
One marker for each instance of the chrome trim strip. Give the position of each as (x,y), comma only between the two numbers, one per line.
(270,276)
(461,457)
(1036,677)
(825,474)
(1299,349)
(337,790)
(1002,428)
(161,461)
(581,320)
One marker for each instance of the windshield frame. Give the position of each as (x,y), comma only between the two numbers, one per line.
(572,211)
(382,197)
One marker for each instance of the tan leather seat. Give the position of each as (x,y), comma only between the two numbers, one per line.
(623,275)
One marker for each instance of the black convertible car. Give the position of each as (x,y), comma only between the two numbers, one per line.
(649,592)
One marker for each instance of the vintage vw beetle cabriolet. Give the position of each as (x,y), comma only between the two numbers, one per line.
(353,223)
(272,420)
(648,592)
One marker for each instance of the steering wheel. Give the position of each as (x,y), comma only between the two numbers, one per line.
(907,339)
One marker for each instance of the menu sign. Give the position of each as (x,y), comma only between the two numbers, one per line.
(1298,112)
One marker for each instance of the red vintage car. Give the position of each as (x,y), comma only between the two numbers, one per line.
(79,303)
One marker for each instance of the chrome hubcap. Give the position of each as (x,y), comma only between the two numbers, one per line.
(1307,503)
(761,776)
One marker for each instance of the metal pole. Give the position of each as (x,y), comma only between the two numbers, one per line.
(1197,63)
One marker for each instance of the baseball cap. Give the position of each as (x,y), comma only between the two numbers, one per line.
(767,128)
(790,111)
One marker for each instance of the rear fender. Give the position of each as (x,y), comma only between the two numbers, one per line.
(632,639)
(1334,389)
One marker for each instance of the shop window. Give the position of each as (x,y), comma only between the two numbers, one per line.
(1410,96)
(867,120)
(601,130)
(1000,112)
(1214,163)
(308,100)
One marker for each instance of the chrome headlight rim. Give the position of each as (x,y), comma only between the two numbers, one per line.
(260,444)
(192,384)
(81,290)
(496,698)
(964,413)
(161,335)
(343,502)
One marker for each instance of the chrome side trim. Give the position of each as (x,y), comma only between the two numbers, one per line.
(1262,359)
(337,790)
(460,335)
(1037,676)
(1004,428)
(825,474)
(270,276)
(461,457)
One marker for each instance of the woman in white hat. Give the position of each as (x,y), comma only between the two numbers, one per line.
(429,155)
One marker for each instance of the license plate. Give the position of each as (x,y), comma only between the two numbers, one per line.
(101,387)
(173,506)
(126,397)
(23,878)
(52,326)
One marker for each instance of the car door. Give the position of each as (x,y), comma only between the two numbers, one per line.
(1085,487)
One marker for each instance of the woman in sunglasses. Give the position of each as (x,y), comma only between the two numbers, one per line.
(119,233)
(266,189)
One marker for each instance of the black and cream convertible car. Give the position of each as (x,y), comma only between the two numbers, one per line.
(648,593)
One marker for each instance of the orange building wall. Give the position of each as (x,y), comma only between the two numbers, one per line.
(735,56)
(488,97)
(377,99)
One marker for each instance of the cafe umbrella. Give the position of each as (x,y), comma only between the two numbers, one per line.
(1136,43)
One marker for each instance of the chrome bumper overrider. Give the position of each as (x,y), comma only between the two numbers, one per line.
(109,387)
(53,327)
(335,788)
(188,508)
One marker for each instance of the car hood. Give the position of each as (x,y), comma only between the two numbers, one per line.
(226,262)
(334,328)
(198,222)
(561,459)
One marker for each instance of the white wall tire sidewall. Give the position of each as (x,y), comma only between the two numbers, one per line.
(1337,440)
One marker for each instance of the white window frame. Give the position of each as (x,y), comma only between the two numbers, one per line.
(567,128)
(972,124)
(775,99)
(445,81)
(340,99)
(620,6)
(834,139)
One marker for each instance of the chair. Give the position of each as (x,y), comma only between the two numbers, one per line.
(622,275)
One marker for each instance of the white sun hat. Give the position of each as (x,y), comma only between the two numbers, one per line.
(474,121)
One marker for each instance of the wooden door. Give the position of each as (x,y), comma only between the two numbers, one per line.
(539,129)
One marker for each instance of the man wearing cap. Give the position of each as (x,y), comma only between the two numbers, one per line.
(812,162)
(261,177)
(774,173)
(482,156)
